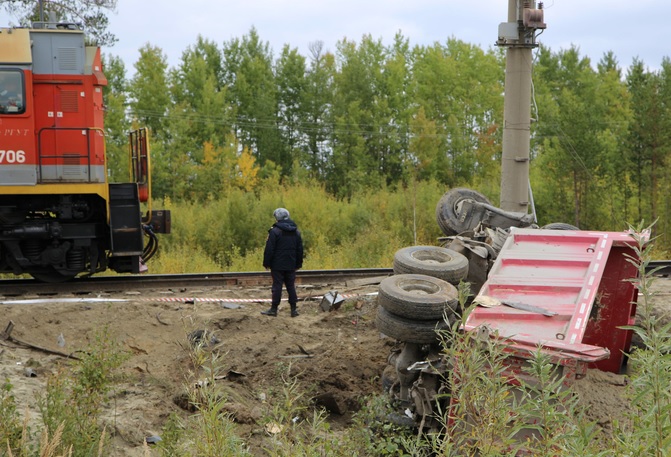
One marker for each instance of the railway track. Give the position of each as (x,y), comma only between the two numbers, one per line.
(82,285)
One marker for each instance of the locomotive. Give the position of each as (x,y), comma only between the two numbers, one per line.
(60,217)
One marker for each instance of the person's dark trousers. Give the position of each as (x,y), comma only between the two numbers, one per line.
(288,279)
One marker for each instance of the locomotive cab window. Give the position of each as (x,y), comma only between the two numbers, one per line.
(12,92)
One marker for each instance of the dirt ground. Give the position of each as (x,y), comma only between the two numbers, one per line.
(346,353)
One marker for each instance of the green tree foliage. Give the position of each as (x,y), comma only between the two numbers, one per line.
(649,142)
(580,136)
(149,100)
(117,123)
(248,73)
(198,119)
(459,87)
(371,118)
(291,71)
(317,103)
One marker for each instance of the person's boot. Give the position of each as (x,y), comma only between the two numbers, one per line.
(294,311)
(270,312)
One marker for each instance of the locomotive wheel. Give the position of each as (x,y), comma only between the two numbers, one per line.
(441,263)
(559,226)
(417,297)
(448,210)
(50,276)
(408,330)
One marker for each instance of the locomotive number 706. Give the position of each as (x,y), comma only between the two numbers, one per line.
(9,156)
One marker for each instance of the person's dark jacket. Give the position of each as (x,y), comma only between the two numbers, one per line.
(284,247)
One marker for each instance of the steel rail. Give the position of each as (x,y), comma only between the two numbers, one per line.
(12,287)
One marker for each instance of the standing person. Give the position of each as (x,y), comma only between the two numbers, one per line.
(283,256)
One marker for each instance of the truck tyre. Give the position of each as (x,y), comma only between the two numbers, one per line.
(417,297)
(559,226)
(441,263)
(448,209)
(408,330)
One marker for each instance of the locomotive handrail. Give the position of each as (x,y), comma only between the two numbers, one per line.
(61,158)
(139,166)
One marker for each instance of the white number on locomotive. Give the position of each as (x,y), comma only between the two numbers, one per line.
(9,156)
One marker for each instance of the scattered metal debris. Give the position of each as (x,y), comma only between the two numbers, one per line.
(203,338)
(7,336)
(331,300)
(153,439)
(158,318)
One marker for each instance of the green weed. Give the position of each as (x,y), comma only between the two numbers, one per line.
(210,431)
(10,422)
(647,430)
(75,397)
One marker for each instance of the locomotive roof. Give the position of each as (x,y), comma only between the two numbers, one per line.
(47,48)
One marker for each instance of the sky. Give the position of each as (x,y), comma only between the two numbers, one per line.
(629,28)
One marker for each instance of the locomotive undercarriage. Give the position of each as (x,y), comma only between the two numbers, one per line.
(53,237)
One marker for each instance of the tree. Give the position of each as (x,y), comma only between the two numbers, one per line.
(200,102)
(317,110)
(90,14)
(360,111)
(459,86)
(149,92)
(117,123)
(615,113)
(395,90)
(149,99)
(291,82)
(649,139)
(252,90)
(579,146)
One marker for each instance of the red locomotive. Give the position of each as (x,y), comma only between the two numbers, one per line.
(59,215)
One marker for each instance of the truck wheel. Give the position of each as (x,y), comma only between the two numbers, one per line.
(389,378)
(408,330)
(441,263)
(559,226)
(417,297)
(448,210)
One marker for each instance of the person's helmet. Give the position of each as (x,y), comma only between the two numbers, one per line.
(281,214)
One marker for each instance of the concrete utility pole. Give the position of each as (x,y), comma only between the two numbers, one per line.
(518,35)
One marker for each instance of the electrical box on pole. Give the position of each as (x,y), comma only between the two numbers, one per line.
(518,36)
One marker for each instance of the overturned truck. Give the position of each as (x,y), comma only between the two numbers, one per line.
(557,289)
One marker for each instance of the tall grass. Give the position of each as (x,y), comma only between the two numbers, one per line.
(75,397)
(71,407)
(228,233)
(10,421)
(647,430)
(209,431)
